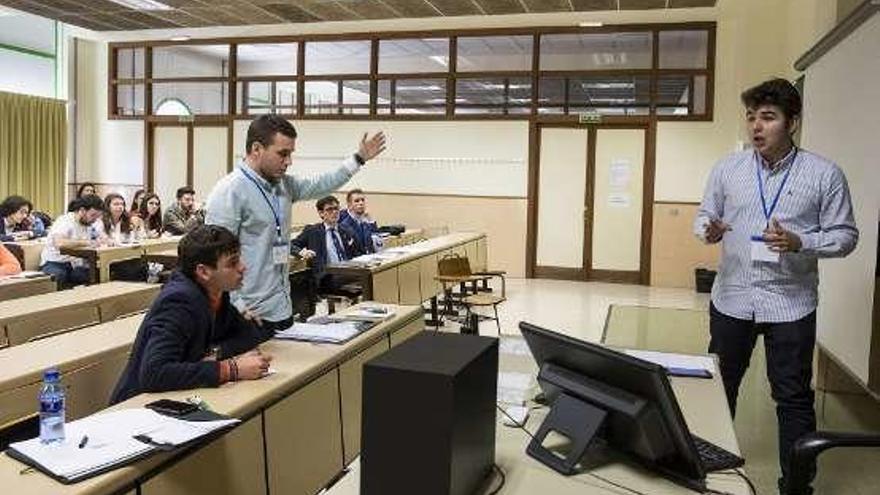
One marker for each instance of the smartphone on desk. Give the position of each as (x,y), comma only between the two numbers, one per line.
(171,407)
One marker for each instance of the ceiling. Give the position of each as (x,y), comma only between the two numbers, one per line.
(106,15)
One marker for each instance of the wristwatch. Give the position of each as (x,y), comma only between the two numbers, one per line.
(359,159)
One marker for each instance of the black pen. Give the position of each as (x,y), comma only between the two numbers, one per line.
(84,441)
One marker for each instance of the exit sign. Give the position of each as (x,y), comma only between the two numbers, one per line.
(593,117)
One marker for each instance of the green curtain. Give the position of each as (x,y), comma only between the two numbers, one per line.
(33,149)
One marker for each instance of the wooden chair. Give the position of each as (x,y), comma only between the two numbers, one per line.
(454,269)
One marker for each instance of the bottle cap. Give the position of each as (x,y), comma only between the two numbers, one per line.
(52,374)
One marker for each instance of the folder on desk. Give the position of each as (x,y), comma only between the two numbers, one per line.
(106,441)
(677,364)
(333,332)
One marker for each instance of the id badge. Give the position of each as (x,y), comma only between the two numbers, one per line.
(280,254)
(761,251)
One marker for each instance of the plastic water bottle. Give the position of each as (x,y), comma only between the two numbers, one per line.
(52,407)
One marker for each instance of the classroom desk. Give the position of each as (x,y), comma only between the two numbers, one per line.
(90,361)
(410,278)
(15,287)
(407,237)
(300,426)
(100,258)
(168,258)
(44,315)
(32,250)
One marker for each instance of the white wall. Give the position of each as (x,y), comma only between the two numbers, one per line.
(841,122)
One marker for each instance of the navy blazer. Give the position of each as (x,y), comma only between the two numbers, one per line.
(314,237)
(178,332)
(363,230)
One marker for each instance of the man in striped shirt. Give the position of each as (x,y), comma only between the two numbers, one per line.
(777,209)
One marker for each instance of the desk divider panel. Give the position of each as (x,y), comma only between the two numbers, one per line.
(303,435)
(385,286)
(409,283)
(406,332)
(232,464)
(51,322)
(350,381)
(429,285)
(126,305)
(89,388)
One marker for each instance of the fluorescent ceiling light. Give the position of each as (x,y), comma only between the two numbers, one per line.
(590,24)
(180,38)
(613,100)
(612,85)
(427,87)
(143,4)
(440,59)
(501,86)
(6,11)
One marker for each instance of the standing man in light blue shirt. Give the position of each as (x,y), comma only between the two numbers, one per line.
(253,202)
(776,209)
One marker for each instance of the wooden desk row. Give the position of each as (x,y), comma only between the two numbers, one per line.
(301,426)
(99,259)
(410,279)
(34,317)
(15,288)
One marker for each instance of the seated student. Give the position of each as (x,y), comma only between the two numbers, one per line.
(17,223)
(150,214)
(356,219)
(84,189)
(9,264)
(193,337)
(326,242)
(136,201)
(183,216)
(122,228)
(77,228)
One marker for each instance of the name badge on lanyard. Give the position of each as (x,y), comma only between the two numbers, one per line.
(760,249)
(280,248)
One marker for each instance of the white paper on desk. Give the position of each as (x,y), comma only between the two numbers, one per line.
(513,388)
(27,274)
(330,333)
(175,431)
(671,360)
(367,313)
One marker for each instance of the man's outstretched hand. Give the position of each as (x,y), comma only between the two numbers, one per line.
(372,147)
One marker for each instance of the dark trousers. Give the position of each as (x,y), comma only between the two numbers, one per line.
(789,348)
(65,275)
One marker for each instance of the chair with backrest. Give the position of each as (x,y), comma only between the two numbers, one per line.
(454,269)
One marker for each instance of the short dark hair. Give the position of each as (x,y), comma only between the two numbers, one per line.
(778,92)
(89,202)
(184,190)
(205,245)
(326,200)
(12,204)
(352,193)
(79,190)
(263,129)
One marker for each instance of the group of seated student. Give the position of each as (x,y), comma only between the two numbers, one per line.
(19,221)
(192,336)
(356,219)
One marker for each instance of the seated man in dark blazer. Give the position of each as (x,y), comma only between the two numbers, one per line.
(326,243)
(193,337)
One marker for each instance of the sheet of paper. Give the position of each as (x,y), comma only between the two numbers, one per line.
(671,360)
(330,333)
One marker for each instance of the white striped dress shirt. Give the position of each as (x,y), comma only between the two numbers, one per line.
(814,204)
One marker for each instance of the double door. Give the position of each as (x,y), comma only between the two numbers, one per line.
(591,192)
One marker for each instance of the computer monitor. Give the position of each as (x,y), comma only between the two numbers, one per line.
(597,392)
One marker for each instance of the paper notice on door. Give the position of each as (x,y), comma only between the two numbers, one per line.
(620,174)
(618,200)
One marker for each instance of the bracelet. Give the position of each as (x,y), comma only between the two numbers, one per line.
(233,370)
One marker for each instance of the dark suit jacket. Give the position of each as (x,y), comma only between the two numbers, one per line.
(177,333)
(363,230)
(314,237)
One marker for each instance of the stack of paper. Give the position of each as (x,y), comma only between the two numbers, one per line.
(100,442)
(332,333)
(367,313)
(675,362)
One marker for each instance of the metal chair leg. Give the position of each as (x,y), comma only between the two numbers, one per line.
(497,320)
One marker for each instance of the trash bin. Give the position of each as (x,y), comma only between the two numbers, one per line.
(704,278)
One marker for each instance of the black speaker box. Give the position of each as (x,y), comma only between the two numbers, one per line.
(428,424)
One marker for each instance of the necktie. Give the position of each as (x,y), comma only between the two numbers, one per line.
(337,244)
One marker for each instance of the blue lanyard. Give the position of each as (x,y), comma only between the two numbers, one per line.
(769,212)
(275,214)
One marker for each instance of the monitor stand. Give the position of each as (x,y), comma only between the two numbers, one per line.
(573,418)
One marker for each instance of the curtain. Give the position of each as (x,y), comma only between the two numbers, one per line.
(33,148)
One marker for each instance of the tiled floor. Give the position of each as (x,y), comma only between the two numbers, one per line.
(580,309)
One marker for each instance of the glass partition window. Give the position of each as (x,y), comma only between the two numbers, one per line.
(413,55)
(684,49)
(130,99)
(621,95)
(356,97)
(266,59)
(202,98)
(486,53)
(337,57)
(258,97)
(681,95)
(412,96)
(493,96)
(596,51)
(190,61)
(130,63)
